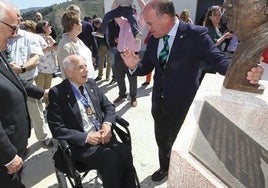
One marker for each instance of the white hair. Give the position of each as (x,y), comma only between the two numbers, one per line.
(3,9)
(67,63)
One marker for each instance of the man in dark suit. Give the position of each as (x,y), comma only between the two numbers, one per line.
(175,80)
(81,114)
(14,116)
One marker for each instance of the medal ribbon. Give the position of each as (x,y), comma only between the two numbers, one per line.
(85,102)
(82,98)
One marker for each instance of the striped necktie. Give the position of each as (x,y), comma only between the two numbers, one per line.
(163,55)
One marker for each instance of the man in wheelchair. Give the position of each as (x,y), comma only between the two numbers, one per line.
(81,114)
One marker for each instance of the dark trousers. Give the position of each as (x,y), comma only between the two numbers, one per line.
(166,131)
(121,70)
(113,161)
(10,180)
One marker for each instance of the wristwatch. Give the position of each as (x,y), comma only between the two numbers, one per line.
(23,69)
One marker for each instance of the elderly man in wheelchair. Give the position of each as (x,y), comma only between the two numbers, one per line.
(79,113)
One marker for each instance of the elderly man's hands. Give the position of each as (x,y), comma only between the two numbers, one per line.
(254,75)
(106,133)
(103,136)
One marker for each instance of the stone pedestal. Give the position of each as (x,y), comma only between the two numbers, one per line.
(247,111)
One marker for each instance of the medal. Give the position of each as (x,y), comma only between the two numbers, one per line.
(89,111)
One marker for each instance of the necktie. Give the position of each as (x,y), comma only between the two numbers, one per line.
(81,89)
(163,56)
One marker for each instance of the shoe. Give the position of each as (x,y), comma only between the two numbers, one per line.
(119,99)
(145,84)
(97,34)
(138,37)
(97,79)
(48,142)
(112,81)
(133,102)
(159,175)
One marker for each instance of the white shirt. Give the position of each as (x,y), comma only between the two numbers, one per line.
(172,35)
(87,124)
(21,47)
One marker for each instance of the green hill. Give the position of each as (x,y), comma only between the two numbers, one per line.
(53,13)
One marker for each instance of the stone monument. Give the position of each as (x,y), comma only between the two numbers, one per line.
(248,19)
(223,141)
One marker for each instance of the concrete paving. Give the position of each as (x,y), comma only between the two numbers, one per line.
(38,167)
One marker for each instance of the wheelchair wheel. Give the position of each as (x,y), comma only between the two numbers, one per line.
(61,179)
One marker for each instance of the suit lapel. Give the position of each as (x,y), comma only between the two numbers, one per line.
(178,42)
(91,92)
(6,70)
(72,102)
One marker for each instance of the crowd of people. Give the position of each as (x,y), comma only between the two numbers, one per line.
(31,55)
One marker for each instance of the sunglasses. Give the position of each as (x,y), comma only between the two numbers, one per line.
(46,24)
(14,28)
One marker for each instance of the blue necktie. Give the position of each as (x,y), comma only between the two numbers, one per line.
(163,55)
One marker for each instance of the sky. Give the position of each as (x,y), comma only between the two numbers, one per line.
(24,4)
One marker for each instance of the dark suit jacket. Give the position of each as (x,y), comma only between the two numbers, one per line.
(179,83)
(88,38)
(64,117)
(14,116)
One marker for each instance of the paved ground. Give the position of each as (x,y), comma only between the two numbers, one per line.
(38,168)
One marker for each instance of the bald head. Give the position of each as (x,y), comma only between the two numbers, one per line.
(75,69)
(74,8)
(162,7)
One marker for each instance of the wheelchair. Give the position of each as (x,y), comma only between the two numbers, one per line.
(75,172)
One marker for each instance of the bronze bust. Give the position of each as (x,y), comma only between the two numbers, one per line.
(248,19)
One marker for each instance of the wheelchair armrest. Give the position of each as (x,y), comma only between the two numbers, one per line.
(64,144)
(121,130)
(121,121)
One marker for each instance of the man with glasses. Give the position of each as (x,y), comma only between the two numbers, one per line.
(24,51)
(13,27)
(14,116)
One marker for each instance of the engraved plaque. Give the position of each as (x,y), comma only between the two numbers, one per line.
(228,152)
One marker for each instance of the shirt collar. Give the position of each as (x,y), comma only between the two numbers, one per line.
(174,29)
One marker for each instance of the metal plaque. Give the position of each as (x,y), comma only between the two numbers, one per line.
(228,152)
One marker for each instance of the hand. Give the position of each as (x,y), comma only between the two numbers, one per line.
(46,94)
(93,59)
(94,138)
(106,134)
(130,59)
(228,35)
(255,74)
(15,67)
(15,166)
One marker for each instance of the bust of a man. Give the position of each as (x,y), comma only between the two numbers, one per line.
(248,19)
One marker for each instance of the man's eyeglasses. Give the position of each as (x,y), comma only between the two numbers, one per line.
(14,28)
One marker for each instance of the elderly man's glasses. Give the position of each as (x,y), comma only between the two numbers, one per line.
(14,28)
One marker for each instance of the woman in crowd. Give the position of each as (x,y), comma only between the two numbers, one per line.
(70,44)
(185,16)
(213,22)
(47,65)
